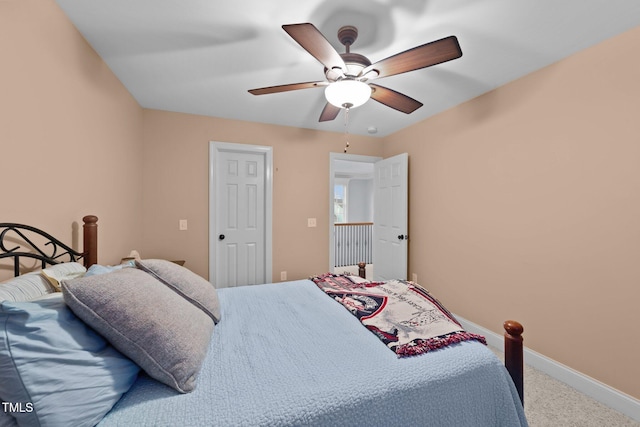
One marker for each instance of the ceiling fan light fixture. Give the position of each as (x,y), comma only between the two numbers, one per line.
(347,93)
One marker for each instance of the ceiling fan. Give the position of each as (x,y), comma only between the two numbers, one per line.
(347,74)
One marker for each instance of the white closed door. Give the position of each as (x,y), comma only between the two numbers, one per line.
(239,235)
(390,218)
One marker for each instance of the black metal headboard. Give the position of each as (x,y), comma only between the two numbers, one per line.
(18,241)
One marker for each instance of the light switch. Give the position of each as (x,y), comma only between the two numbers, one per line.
(311,222)
(183,224)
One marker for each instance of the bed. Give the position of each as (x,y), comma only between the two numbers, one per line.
(283,354)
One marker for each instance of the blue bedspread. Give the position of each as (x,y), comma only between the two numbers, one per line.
(287,355)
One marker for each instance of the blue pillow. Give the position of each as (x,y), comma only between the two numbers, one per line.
(55,370)
(97,269)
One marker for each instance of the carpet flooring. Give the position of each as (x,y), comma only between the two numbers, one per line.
(551,403)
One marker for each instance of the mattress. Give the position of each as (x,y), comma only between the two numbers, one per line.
(286,354)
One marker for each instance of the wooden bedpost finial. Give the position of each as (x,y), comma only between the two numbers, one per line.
(513,328)
(90,219)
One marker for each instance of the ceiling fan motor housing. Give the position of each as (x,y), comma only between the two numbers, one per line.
(355,64)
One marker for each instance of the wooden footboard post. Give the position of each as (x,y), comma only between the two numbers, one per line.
(513,354)
(90,240)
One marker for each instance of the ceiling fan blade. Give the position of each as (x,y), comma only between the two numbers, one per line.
(286,88)
(394,99)
(435,52)
(329,112)
(312,40)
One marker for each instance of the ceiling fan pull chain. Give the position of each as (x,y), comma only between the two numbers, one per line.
(346,129)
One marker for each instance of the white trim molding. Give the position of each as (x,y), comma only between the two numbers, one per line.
(593,388)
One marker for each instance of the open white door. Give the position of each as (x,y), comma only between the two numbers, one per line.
(391,218)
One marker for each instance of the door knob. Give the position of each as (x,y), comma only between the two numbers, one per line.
(402,237)
(221,237)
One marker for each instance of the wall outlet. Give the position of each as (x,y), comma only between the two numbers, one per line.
(182,225)
(414,278)
(283,275)
(311,222)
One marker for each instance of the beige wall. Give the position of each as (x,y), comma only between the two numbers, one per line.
(70,133)
(531,194)
(176,151)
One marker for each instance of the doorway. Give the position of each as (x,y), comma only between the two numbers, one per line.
(387,217)
(350,202)
(240,214)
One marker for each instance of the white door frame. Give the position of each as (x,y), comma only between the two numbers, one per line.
(216,147)
(332,157)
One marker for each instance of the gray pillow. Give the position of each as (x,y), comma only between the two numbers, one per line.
(186,283)
(162,332)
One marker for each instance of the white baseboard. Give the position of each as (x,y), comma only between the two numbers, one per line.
(593,388)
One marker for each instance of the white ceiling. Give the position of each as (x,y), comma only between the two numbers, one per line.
(201,56)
